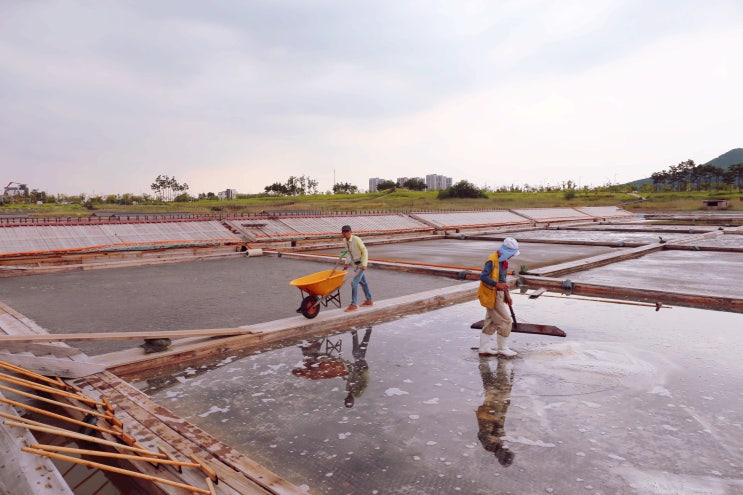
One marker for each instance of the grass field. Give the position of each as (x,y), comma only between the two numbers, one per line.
(397,201)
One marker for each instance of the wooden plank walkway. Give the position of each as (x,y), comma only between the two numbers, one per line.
(153,425)
(47,359)
(22,474)
(130,361)
(149,424)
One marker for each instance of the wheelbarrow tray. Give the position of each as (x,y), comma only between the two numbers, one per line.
(320,283)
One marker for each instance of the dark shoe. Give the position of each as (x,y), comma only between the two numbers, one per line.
(367,303)
(352,307)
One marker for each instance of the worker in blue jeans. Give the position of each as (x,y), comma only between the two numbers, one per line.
(357,254)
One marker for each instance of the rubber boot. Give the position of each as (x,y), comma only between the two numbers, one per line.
(503,349)
(486,348)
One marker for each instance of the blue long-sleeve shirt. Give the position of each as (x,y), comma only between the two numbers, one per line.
(488,269)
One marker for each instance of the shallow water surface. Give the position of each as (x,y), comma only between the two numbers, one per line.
(633,400)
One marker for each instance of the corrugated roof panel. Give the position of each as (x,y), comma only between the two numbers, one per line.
(605,211)
(553,214)
(367,223)
(262,227)
(27,239)
(164,231)
(465,218)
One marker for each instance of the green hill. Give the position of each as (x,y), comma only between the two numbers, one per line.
(726,159)
(723,161)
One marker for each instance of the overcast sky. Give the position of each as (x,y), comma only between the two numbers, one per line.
(101,96)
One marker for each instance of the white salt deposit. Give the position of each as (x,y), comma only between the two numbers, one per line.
(214,409)
(527,441)
(394,391)
(650,482)
(662,391)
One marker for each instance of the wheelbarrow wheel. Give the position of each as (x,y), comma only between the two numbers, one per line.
(309,307)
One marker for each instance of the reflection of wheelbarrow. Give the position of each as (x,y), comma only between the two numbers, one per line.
(320,288)
(318,364)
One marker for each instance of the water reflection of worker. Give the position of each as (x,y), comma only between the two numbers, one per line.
(358,371)
(491,415)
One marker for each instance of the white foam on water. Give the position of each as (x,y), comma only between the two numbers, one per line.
(650,482)
(527,441)
(214,409)
(226,360)
(394,391)
(662,391)
(595,362)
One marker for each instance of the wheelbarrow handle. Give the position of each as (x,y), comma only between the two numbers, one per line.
(343,253)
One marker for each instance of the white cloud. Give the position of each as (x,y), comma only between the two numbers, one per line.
(104,97)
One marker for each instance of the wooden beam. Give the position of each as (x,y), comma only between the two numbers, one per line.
(133,335)
(115,455)
(702,301)
(51,366)
(42,349)
(53,402)
(145,418)
(26,474)
(124,363)
(106,467)
(60,417)
(52,391)
(35,426)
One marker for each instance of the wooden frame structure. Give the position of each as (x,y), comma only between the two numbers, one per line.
(150,426)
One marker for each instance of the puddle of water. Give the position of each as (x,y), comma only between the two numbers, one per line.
(632,401)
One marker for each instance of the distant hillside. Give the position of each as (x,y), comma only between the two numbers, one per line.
(730,158)
(723,161)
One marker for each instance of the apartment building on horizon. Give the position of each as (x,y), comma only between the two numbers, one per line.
(434,182)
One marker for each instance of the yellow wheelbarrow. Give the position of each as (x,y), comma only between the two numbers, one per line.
(321,288)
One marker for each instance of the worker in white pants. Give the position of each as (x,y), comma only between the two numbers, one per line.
(494,297)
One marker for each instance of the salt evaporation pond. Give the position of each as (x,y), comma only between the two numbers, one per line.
(633,401)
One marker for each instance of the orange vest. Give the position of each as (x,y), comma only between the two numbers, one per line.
(486,293)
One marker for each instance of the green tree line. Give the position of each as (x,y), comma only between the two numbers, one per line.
(688,176)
